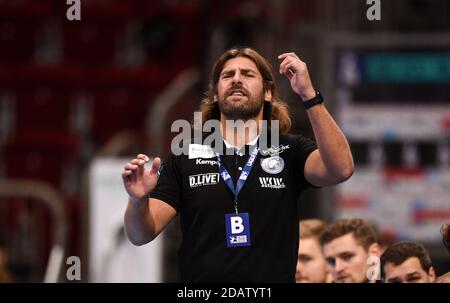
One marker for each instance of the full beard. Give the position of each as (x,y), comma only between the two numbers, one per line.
(243,109)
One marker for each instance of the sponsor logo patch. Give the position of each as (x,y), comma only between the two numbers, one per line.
(271,182)
(204,162)
(274,150)
(200,151)
(203,179)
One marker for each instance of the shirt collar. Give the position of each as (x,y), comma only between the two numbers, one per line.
(228,145)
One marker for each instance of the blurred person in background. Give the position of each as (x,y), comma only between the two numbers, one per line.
(204,187)
(5,275)
(311,264)
(351,250)
(445,232)
(407,262)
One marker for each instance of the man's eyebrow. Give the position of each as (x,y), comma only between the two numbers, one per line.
(243,70)
(248,70)
(345,253)
(413,274)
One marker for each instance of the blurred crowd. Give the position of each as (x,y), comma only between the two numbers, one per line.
(348,251)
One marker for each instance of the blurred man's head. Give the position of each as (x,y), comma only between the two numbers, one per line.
(407,262)
(347,245)
(5,275)
(445,231)
(311,264)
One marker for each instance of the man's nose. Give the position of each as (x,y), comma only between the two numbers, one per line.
(339,266)
(300,267)
(237,77)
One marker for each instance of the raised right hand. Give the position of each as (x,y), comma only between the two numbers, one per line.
(138,180)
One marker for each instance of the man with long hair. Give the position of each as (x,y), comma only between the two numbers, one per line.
(238,208)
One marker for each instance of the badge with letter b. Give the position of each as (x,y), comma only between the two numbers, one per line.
(238,229)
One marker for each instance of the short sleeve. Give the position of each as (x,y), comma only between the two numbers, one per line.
(303,147)
(168,187)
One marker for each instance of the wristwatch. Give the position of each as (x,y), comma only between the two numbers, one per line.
(314,101)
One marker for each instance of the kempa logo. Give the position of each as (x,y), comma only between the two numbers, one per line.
(203,179)
(210,162)
(271,182)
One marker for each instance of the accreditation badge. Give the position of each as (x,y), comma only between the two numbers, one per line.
(237,229)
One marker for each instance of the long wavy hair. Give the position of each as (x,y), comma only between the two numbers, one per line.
(276,109)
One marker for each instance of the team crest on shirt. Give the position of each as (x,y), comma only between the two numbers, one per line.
(272,165)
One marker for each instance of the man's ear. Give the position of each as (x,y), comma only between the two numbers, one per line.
(432,274)
(268,95)
(374,250)
(215,98)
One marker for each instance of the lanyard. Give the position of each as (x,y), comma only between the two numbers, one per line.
(242,178)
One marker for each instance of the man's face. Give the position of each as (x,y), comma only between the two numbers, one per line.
(311,264)
(347,260)
(240,89)
(409,271)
